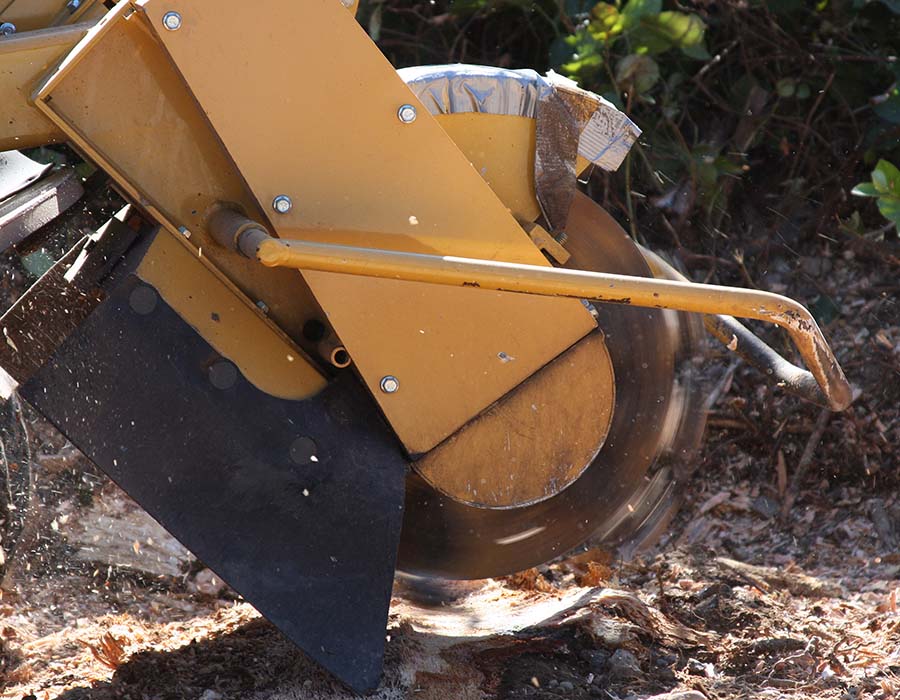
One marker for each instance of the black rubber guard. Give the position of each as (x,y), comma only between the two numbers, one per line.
(311,543)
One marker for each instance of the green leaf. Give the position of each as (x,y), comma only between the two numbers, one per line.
(890,174)
(864,189)
(786,87)
(639,72)
(698,52)
(679,29)
(645,40)
(880,181)
(890,209)
(607,23)
(636,10)
(803,91)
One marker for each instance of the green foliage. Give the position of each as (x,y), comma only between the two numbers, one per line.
(735,98)
(885,188)
(622,34)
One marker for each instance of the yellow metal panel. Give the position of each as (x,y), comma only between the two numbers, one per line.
(823,369)
(125,106)
(265,356)
(28,15)
(326,133)
(536,440)
(24,59)
(501,148)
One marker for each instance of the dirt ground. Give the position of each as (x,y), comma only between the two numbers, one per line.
(778,578)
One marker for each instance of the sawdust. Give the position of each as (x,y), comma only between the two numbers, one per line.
(778,579)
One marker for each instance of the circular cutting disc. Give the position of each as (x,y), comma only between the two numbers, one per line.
(627,492)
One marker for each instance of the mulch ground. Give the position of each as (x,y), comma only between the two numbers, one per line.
(778,578)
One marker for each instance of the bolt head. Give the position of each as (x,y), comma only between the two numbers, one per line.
(390,384)
(407,114)
(172,21)
(7,29)
(282,204)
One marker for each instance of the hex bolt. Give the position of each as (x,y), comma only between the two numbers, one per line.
(407,114)
(7,29)
(282,204)
(390,384)
(172,21)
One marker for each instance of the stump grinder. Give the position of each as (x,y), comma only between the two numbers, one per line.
(353,321)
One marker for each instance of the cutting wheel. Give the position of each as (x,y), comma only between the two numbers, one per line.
(629,490)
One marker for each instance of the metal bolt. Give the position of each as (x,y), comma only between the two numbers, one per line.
(282,204)
(184,231)
(73,5)
(7,29)
(407,114)
(262,306)
(390,384)
(172,21)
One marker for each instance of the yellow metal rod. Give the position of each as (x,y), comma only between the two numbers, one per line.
(579,284)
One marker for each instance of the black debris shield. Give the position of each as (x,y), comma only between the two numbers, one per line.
(296,504)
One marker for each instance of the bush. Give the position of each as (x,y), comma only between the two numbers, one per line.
(737,100)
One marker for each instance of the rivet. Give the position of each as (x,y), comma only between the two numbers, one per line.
(172,21)
(282,204)
(390,384)
(7,29)
(407,114)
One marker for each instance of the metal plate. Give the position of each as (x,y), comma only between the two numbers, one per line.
(536,440)
(295,126)
(296,504)
(29,15)
(37,205)
(131,115)
(17,171)
(24,59)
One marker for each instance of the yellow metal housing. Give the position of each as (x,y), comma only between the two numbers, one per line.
(29,15)
(24,60)
(355,172)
